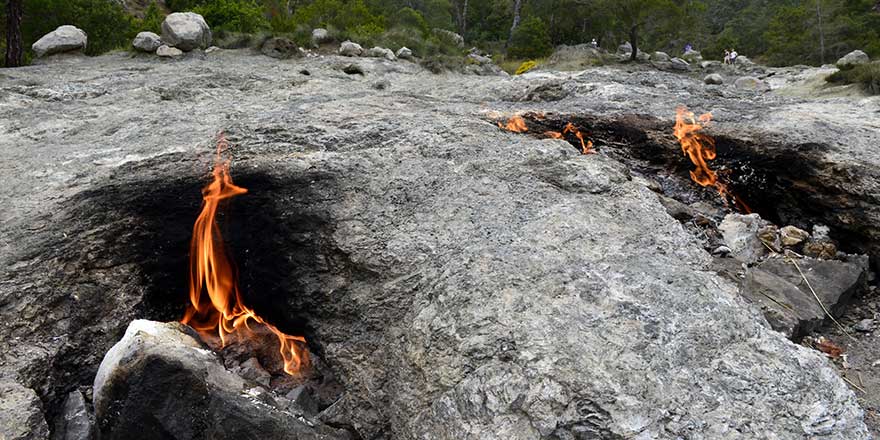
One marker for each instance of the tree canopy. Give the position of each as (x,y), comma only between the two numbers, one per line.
(779,32)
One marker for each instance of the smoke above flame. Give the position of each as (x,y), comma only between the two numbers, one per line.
(700,148)
(222,310)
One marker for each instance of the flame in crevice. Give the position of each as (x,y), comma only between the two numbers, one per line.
(211,272)
(586,148)
(515,124)
(700,147)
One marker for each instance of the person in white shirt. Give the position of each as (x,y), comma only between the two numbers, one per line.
(733,56)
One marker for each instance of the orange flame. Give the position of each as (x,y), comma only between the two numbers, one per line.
(515,124)
(586,148)
(553,134)
(700,147)
(211,271)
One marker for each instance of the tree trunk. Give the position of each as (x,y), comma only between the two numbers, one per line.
(13,33)
(517,6)
(464,12)
(821,33)
(634,42)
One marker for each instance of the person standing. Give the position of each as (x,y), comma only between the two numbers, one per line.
(733,56)
(726,56)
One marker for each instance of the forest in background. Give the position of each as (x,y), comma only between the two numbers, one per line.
(776,32)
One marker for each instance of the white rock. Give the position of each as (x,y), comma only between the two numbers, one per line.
(740,235)
(404,53)
(321,36)
(350,49)
(381,52)
(713,78)
(680,64)
(853,58)
(659,56)
(64,39)
(147,42)
(167,51)
(751,83)
(186,31)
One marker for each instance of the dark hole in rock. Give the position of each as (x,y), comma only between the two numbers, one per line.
(140,223)
(785,184)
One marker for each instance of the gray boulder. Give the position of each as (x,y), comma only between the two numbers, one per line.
(751,83)
(159,381)
(350,49)
(743,61)
(659,56)
(168,51)
(21,413)
(186,31)
(625,48)
(280,48)
(64,39)
(321,36)
(404,53)
(710,64)
(147,42)
(76,421)
(479,60)
(381,52)
(853,58)
(788,304)
(714,79)
(575,57)
(679,64)
(642,56)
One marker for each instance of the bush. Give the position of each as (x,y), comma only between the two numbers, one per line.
(411,19)
(526,66)
(183,5)
(867,76)
(152,21)
(233,15)
(530,40)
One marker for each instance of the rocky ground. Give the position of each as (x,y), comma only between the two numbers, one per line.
(455,279)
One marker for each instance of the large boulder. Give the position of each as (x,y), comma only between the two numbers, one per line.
(21,413)
(381,52)
(751,83)
(146,42)
(679,64)
(160,381)
(280,48)
(186,31)
(853,58)
(404,53)
(350,49)
(64,39)
(321,36)
(659,56)
(713,79)
(625,48)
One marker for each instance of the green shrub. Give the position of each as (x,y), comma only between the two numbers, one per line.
(411,19)
(867,76)
(233,15)
(530,40)
(525,67)
(152,21)
(183,5)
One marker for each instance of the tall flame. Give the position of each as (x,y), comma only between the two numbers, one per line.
(212,272)
(700,147)
(586,148)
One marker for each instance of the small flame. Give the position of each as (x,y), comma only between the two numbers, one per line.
(700,147)
(212,271)
(586,147)
(515,124)
(554,134)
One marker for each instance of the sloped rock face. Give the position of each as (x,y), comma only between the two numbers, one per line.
(461,281)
